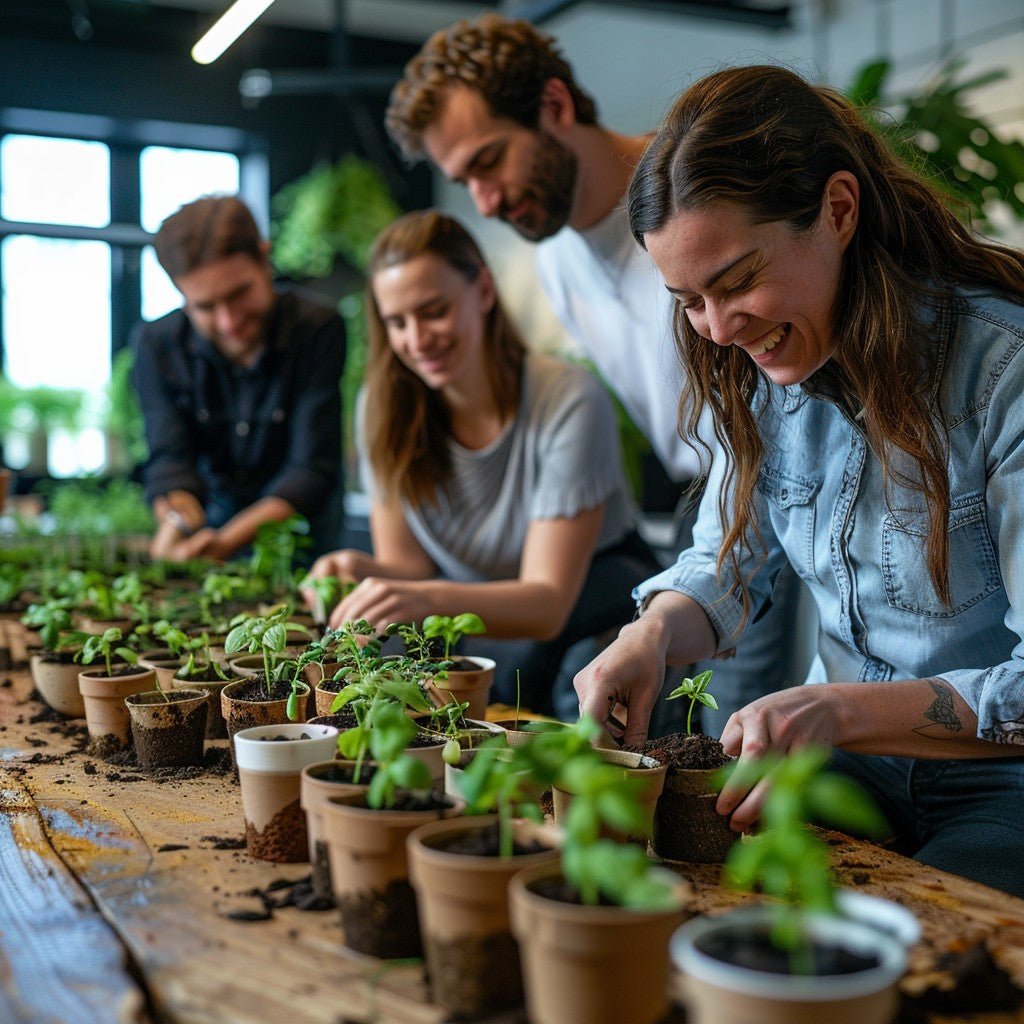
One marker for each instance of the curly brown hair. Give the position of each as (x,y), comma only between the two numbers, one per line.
(407,424)
(507,62)
(763,138)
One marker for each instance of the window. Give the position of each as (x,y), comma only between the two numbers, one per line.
(168,179)
(76,271)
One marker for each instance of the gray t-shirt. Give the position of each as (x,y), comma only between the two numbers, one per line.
(559,456)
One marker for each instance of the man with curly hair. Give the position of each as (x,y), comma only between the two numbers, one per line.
(494,105)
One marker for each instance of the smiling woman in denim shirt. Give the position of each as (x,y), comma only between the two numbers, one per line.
(863,356)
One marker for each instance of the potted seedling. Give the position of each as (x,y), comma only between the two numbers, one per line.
(54,668)
(461,679)
(686,825)
(201,671)
(808,952)
(273,692)
(104,689)
(605,912)
(460,868)
(365,834)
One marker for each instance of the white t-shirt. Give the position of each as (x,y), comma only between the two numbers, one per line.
(609,295)
(558,456)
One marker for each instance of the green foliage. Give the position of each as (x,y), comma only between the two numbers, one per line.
(934,131)
(695,690)
(391,734)
(54,621)
(786,859)
(327,591)
(452,628)
(505,778)
(274,552)
(268,635)
(334,210)
(124,414)
(106,645)
(91,508)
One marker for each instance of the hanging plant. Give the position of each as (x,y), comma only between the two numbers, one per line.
(935,132)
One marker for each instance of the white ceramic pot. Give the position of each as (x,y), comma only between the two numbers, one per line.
(717,992)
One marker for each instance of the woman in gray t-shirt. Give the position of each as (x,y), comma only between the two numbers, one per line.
(494,474)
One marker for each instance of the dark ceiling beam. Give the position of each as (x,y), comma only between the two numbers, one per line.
(749,12)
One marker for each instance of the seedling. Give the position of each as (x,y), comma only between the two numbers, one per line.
(108,646)
(786,858)
(451,629)
(268,635)
(392,732)
(695,690)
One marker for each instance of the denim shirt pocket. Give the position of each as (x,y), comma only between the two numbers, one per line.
(973,566)
(791,506)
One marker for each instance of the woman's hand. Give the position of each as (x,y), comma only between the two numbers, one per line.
(382,601)
(791,719)
(629,672)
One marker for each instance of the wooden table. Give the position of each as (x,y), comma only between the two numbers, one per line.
(121,897)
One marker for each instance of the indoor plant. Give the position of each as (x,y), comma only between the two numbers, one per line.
(806,954)
(603,913)
(365,835)
(686,826)
(104,690)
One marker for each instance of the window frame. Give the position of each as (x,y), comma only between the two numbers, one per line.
(126,139)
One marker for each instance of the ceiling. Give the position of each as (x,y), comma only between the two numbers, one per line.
(412,21)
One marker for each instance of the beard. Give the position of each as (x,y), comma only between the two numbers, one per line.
(551,186)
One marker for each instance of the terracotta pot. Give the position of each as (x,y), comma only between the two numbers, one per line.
(168,728)
(164,663)
(106,715)
(248,665)
(472,959)
(87,624)
(248,714)
(370,875)
(647,769)
(317,783)
(686,825)
(468,685)
(57,683)
(13,641)
(514,734)
(591,964)
(323,700)
(270,760)
(717,992)
(216,727)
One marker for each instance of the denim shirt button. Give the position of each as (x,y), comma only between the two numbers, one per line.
(242,429)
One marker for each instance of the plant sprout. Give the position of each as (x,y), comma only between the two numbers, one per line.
(695,690)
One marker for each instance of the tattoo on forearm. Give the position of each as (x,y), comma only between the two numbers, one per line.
(941,711)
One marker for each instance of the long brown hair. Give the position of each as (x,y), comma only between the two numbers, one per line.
(763,138)
(407,423)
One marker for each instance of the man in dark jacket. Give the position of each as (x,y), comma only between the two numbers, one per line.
(239,390)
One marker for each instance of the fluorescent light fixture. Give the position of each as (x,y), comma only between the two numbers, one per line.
(228,27)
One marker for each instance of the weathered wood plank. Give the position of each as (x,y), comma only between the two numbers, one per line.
(60,960)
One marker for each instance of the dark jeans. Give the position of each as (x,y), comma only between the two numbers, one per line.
(604,604)
(961,816)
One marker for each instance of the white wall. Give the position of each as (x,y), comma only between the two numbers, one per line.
(635,62)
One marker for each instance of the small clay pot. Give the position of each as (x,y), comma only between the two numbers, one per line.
(317,783)
(168,728)
(106,714)
(216,727)
(57,683)
(462,685)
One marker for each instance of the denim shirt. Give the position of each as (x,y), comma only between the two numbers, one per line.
(821,504)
